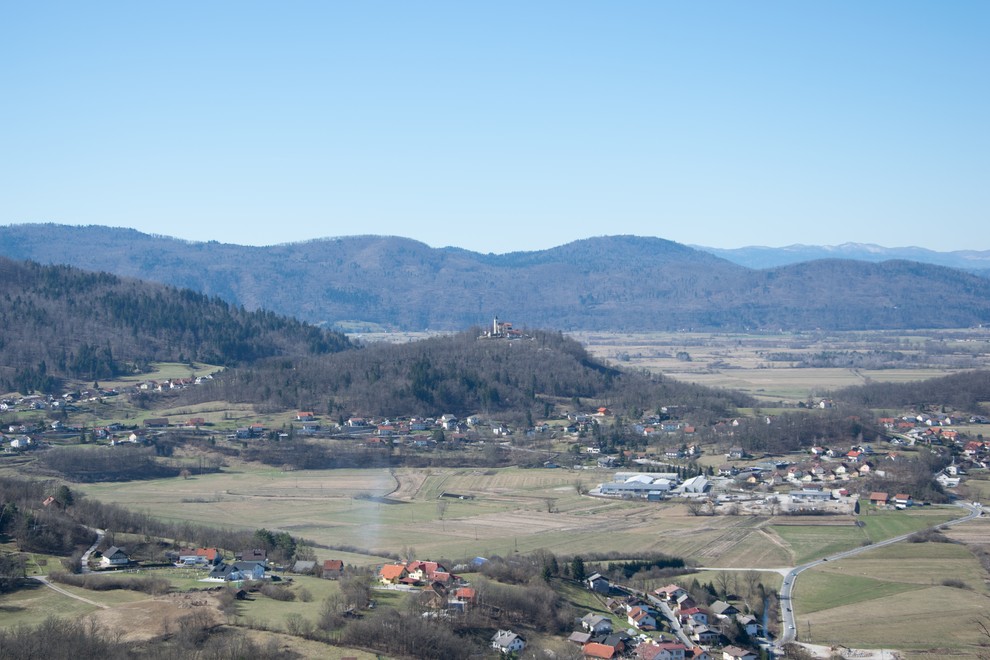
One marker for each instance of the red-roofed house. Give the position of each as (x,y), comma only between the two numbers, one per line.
(695,614)
(429,571)
(465,595)
(596,650)
(393,573)
(642,619)
(210,555)
(333,568)
(880,499)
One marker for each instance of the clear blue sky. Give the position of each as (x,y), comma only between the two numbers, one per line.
(502,126)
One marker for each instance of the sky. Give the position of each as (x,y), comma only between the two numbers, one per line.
(502,126)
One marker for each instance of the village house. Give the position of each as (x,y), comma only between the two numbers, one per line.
(599,650)
(428,571)
(579,637)
(393,573)
(903,500)
(599,584)
(304,566)
(596,623)
(641,618)
(253,554)
(661,651)
(508,642)
(878,499)
(736,653)
(694,615)
(945,481)
(669,593)
(114,556)
(21,443)
(684,602)
(238,571)
(464,596)
(199,557)
(333,569)
(723,610)
(749,623)
(705,635)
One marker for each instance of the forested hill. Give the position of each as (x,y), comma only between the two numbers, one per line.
(605,283)
(60,322)
(461,374)
(968,391)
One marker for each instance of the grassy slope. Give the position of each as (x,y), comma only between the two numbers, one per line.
(904,582)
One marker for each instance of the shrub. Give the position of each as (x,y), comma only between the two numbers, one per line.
(955,583)
(277,592)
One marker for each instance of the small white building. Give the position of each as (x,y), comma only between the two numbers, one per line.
(114,556)
(507,642)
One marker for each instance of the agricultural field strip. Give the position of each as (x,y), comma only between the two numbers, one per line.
(908,622)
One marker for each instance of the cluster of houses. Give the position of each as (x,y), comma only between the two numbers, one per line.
(416,573)
(170,384)
(251,564)
(697,630)
(54,403)
(897,501)
(16,443)
(442,593)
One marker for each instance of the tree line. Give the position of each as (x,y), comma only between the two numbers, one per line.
(968,391)
(62,526)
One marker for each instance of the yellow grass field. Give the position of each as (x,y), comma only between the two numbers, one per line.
(740,361)
(484,512)
(503,512)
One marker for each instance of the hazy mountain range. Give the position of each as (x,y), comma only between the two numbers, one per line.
(755,256)
(605,283)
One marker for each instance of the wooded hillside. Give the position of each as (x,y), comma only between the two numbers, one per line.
(968,391)
(459,374)
(60,322)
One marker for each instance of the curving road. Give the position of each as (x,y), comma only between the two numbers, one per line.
(84,567)
(786,591)
(43,579)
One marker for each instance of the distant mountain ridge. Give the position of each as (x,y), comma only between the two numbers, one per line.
(604,283)
(757,256)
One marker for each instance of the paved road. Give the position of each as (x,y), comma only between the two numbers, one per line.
(85,558)
(788,621)
(675,624)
